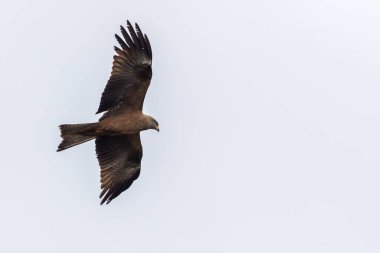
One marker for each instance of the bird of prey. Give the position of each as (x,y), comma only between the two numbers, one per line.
(117,133)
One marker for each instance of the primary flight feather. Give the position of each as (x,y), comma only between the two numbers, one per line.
(117,133)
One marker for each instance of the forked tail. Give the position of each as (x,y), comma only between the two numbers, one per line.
(76,134)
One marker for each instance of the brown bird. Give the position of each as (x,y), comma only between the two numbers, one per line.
(117,133)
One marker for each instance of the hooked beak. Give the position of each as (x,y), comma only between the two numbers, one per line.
(158,128)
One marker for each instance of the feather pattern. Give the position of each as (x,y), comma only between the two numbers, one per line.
(120,162)
(131,72)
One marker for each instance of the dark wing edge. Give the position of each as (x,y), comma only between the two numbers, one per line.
(131,71)
(120,163)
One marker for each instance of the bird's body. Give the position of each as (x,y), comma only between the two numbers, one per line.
(117,133)
(123,124)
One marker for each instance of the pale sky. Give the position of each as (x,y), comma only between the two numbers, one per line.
(269,119)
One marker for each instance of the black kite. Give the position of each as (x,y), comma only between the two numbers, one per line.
(117,133)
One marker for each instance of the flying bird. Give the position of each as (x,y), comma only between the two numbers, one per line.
(117,133)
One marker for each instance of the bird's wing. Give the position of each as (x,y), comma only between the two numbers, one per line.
(119,159)
(131,72)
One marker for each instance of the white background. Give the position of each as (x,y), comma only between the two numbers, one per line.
(269,117)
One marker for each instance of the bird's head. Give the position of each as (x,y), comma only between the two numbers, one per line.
(153,124)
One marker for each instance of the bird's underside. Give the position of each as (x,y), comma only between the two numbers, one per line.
(117,133)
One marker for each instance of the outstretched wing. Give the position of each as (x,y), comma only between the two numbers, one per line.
(119,159)
(131,72)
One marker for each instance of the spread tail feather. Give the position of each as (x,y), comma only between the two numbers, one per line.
(76,134)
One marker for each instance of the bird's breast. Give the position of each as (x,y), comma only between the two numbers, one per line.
(119,126)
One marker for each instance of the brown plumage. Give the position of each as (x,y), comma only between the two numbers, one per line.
(117,133)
